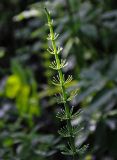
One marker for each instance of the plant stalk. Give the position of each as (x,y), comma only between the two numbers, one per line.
(62,81)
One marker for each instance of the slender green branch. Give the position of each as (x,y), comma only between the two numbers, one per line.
(67,114)
(61,76)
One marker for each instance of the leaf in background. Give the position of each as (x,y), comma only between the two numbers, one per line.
(22,99)
(26,14)
(2,52)
(12,87)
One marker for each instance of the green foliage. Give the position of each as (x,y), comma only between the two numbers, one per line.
(88,33)
(22,87)
(68,131)
(16,144)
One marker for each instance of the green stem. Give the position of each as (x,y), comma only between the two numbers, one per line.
(62,81)
(57,58)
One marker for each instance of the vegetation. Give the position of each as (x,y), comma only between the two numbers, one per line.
(66,113)
(30,118)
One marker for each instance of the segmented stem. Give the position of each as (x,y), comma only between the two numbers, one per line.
(62,80)
(61,76)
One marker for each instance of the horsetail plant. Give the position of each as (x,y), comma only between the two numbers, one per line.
(66,114)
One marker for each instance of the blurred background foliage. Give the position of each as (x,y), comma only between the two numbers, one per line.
(88,34)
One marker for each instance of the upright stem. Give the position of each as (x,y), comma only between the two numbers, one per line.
(57,61)
(62,80)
